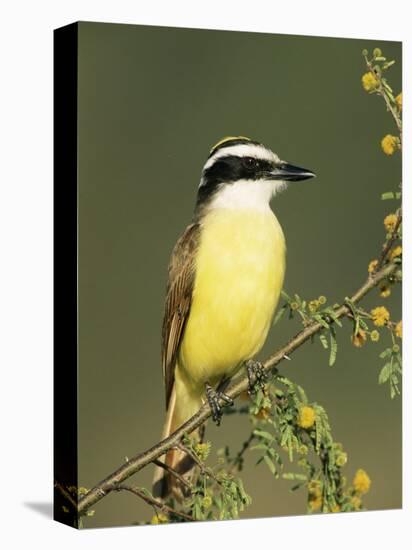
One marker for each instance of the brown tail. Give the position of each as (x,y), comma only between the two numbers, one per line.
(166,484)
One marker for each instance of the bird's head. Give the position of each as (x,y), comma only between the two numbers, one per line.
(240,172)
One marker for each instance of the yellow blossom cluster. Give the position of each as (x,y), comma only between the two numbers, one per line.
(202,450)
(369,82)
(314,304)
(263,413)
(306,417)
(389,144)
(158,519)
(375,336)
(396,252)
(315,495)
(372,266)
(359,339)
(398,329)
(361,482)
(356,502)
(398,100)
(341,459)
(384,289)
(380,316)
(207,501)
(390,221)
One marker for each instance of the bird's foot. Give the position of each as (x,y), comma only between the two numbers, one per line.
(257,376)
(214,397)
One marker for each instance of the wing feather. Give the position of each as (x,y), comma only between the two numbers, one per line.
(178,301)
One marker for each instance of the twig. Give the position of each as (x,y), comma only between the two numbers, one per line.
(66,494)
(197,460)
(241,452)
(152,501)
(381,91)
(389,242)
(238,386)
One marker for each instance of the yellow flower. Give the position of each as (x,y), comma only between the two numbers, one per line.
(384,290)
(263,413)
(372,266)
(322,300)
(307,417)
(315,504)
(359,339)
(356,502)
(375,336)
(159,518)
(314,487)
(389,144)
(380,316)
(207,501)
(398,100)
(361,482)
(202,450)
(341,459)
(369,82)
(398,329)
(390,222)
(397,251)
(303,450)
(313,305)
(335,508)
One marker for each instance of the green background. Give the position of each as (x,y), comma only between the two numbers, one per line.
(152,101)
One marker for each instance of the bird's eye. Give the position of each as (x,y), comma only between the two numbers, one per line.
(251,163)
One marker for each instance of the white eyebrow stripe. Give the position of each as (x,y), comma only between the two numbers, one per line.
(242,150)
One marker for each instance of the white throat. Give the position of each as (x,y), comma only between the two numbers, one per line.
(247,194)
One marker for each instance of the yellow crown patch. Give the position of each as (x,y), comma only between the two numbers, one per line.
(225,139)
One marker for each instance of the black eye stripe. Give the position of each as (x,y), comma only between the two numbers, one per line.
(229,169)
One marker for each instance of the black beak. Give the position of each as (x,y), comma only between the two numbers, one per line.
(288,172)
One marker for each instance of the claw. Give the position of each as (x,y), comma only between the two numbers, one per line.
(213,398)
(256,374)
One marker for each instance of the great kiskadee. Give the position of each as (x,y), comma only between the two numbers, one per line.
(225,276)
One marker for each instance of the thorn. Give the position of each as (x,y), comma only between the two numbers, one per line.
(287,357)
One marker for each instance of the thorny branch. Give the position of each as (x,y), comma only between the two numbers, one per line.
(394,236)
(238,386)
(152,501)
(381,91)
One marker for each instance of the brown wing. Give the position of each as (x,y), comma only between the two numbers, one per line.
(178,301)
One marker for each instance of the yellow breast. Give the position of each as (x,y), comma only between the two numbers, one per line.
(239,275)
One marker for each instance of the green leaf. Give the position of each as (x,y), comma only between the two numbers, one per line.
(324,341)
(385,353)
(279,314)
(293,476)
(259,447)
(333,346)
(263,434)
(270,465)
(385,373)
(388,195)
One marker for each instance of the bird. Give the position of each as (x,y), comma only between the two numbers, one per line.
(225,276)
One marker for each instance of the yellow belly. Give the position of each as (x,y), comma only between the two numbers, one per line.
(239,275)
